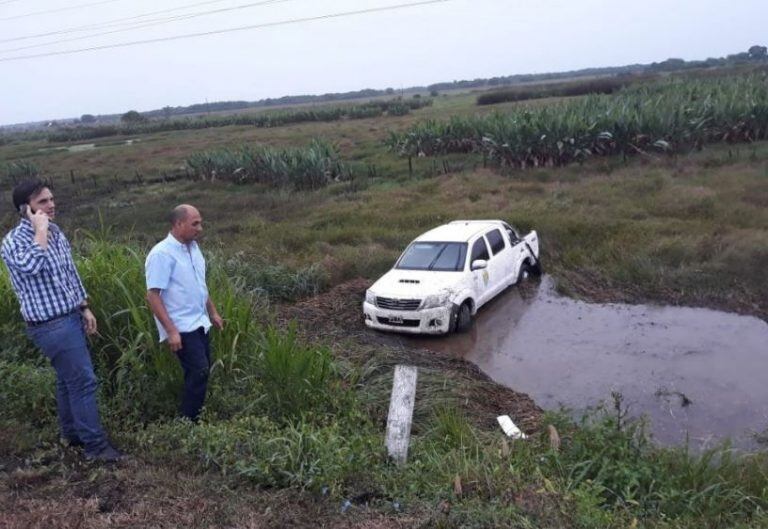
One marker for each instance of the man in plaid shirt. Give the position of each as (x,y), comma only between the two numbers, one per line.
(54,306)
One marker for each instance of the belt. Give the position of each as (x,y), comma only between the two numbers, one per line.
(38,323)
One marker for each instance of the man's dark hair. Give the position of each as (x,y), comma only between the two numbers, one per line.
(26,190)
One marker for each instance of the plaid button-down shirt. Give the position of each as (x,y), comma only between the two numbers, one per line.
(45,281)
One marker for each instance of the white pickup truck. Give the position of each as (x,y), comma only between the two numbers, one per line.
(447,274)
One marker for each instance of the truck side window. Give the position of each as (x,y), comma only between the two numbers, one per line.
(479,251)
(496,241)
(513,238)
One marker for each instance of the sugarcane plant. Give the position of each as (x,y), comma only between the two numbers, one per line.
(666,117)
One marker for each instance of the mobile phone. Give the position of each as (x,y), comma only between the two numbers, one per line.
(23,210)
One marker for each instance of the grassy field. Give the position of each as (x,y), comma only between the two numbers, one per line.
(689,228)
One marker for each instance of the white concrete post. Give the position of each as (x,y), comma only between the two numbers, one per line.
(401,412)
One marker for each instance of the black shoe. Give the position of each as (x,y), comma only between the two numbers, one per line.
(108,454)
(73,443)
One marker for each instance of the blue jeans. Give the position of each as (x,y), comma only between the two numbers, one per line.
(63,342)
(195,358)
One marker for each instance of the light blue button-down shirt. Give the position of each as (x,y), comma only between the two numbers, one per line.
(178,271)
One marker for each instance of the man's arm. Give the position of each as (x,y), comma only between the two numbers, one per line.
(74,280)
(213,314)
(40,222)
(157,307)
(28,257)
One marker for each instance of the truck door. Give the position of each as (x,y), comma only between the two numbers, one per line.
(518,253)
(500,266)
(481,279)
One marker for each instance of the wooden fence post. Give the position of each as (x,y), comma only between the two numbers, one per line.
(401,412)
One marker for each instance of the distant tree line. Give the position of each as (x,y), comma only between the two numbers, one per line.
(604,85)
(755,53)
(134,122)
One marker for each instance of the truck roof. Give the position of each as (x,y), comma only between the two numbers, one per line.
(459,230)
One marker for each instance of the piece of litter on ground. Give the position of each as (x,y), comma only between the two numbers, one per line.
(510,428)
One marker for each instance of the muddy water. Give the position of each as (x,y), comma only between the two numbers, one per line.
(694,372)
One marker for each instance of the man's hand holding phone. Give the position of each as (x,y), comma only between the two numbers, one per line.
(39,218)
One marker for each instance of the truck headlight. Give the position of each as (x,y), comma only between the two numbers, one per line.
(435,300)
(370,297)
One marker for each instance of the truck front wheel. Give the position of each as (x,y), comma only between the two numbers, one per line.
(464,317)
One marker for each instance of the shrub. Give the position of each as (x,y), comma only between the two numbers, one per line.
(27,392)
(312,167)
(296,378)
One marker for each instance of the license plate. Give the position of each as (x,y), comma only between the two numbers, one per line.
(395,319)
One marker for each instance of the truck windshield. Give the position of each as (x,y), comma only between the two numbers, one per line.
(438,256)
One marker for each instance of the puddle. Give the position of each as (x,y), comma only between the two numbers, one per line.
(82,147)
(89,146)
(694,372)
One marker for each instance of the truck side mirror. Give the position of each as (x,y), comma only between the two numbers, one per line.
(479,264)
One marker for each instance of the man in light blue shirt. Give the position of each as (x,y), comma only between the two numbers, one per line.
(178,297)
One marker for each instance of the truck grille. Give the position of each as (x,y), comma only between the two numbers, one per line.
(397,304)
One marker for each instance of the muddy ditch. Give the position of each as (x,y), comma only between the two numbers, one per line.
(696,374)
(335,318)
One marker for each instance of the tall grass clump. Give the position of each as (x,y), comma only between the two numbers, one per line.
(307,168)
(27,392)
(672,116)
(294,375)
(15,172)
(276,281)
(622,469)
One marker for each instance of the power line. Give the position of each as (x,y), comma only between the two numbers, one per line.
(149,23)
(111,22)
(228,30)
(59,10)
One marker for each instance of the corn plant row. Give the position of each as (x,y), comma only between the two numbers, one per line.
(671,116)
(307,168)
(395,107)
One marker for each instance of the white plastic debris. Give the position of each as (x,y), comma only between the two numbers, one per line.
(510,428)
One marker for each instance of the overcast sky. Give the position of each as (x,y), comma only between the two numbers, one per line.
(456,39)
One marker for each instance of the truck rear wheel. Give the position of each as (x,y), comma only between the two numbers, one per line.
(527,270)
(524,273)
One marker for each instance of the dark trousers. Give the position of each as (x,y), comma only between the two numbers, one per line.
(195,358)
